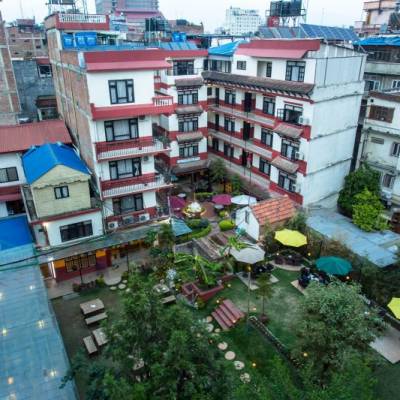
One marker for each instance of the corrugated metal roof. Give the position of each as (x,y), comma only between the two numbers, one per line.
(179,227)
(18,138)
(379,41)
(285,165)
(289,130)
(40,160)
(225,50)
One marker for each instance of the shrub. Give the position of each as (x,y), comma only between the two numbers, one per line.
(100,282)
(223,214)
(197,223)
(125,275)
(202,196)
(202,233)
(226,225)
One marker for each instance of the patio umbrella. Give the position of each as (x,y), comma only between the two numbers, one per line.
(176,203)
(291,238)
(250,255)
(222,199)
(334,265)
(394,306)
(244,200)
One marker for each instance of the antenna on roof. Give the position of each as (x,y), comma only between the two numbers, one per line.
(21,9)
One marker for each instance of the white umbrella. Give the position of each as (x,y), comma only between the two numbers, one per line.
(244,200)
(250,255)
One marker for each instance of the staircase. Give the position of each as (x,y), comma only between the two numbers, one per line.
(227,315)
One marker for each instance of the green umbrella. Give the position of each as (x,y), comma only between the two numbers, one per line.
(334,265)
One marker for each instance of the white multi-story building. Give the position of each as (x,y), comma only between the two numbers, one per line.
(239,21)
(284,113)
(380,144)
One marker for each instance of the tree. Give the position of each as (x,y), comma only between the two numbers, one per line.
(218,171)
(178,361)
(334,323)
(298,223)
(367,212)
(237,183)
(271,246)
(166,236)
(355,183)
(265,290)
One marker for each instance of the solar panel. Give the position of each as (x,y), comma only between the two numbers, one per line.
(329,32)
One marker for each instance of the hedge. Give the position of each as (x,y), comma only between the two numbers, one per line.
(226,225)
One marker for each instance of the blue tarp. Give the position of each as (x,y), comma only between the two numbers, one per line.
(14,232)
(32,355)
(225,50)
(40,160)
(380,41)
(179,227)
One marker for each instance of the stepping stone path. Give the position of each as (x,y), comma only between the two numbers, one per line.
(127,290)
(217,330)
(245,378)
(210,327)
(238,365)
(223,345)
(113,288)
(121,286)
(125,281)
(209,319)
(230,355)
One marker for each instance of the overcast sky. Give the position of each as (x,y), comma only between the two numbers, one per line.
(210,12)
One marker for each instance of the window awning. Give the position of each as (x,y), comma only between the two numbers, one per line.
(285,165)
(189,137)
(289,130)
(186,110)
(185,83)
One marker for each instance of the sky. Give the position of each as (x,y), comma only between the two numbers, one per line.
(210,12)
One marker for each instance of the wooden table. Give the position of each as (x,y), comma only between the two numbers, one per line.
(100,337)
(92,306)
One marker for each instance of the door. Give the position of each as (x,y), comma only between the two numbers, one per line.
(217,122)
(246,131)
(248,102)
(217,96)
(245,154)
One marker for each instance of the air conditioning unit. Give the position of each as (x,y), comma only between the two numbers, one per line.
(298,155)
(146,158)
(128,220)
(142,117)
(304,121)
(144,217)
(112,225)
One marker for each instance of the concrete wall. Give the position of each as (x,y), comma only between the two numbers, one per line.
(12,160)
(252,228)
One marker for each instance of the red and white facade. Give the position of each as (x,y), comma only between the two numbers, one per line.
(283,114)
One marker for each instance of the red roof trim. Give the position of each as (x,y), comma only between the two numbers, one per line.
(127,66)
(114,112)
(66,215)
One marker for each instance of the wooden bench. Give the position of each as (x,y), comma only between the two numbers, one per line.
(95,318)
(168,299)
(90,345)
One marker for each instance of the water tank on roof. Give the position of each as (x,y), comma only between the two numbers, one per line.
(86,39)
(68,41)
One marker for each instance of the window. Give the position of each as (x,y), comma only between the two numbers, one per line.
(188,97)
(269,70)
(372,85)
(247,217)
(289,149)
(76,231)
(123,129)
(229,124)
(124,205)
(183,68)
(267,137)
(121,91)
(209,91)
(188,150)
(215,144)
(287,182)
(44,70)
(381,114)
(395,149)
(61,192)
(388,181)
(291,114)
(125,168)
(269,106)
(82,261)
(221,66)
(295,71)
(265,167)
(396,84)
(241,65)
(8,175)
(228,150)
(190,124)
(230,97)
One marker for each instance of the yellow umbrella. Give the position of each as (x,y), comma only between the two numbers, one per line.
(394,306)
(291,238)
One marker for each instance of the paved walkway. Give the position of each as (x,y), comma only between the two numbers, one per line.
(388,345)
(287,267)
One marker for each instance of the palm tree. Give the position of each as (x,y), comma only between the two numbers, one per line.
(166,236)
(265,290)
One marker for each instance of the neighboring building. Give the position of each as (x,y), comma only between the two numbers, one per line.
(107,6)
(273,107)
(182,25)
(380,143)
(35,89)
(272,212)
(57,196)
(380,17)
(9,101)
(26,39)
(239,21)
(14,141)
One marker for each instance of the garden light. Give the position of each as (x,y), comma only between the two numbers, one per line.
(10,380)
(254,365)
(305,355)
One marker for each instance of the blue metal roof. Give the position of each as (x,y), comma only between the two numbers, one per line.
(380,41)
(225,50)
(179,227)
(40,160)
(177,46)
(14,231)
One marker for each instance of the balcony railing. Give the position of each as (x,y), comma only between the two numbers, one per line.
(82,18)
(290,116)
(127,148)
(163,101)
(184,71)
(123,187)
(157,79)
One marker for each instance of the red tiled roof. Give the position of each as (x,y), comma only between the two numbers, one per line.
(274,210)
(16,138)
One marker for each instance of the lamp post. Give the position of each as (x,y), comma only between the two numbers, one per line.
(248,294)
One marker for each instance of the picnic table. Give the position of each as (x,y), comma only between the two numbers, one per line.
(95,318)
(92,306)
(90,345)
(100,337)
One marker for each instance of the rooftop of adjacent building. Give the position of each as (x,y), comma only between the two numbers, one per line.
(19,138)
